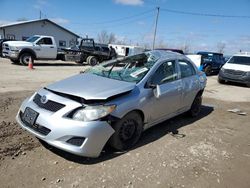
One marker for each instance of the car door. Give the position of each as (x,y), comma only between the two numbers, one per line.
(45,48)
(190,83)
(168,103)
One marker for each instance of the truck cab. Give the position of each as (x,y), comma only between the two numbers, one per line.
(36,47)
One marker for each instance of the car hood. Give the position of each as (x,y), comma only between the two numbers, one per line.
(237,67)
(91,87)
(18,43)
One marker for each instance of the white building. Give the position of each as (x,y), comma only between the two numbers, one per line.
(25,29)
(125,50)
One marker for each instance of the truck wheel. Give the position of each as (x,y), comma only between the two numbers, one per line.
(221,81)
(25,58)
(92,60)
(208,70)
(127,131)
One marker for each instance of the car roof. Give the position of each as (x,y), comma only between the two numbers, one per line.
(167,54)
(204,53)
(245,54)
(171,49)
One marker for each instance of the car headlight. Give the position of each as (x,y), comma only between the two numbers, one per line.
(14,48)
(90,113)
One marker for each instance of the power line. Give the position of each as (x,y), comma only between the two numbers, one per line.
(204,14)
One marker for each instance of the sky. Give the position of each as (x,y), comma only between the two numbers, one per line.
(200,25)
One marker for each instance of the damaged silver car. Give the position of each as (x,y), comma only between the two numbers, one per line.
(113,102)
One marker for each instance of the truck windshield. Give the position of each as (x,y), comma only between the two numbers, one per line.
(241,60)
(32,39)
(129,69)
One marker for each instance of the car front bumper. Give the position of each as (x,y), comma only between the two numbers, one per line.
(61,129)
(243,78)
(11,54)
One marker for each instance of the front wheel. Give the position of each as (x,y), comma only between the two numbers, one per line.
(196,106)
(127,131)
(92,60)
(25,58)
(221,81)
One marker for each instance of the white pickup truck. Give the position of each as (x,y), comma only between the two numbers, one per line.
(37,47)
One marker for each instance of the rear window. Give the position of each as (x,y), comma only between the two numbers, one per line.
(241,60)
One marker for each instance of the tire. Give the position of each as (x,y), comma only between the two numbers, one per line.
(208,70)
(92,60)
(127,131)
(24,58)
(196,106)
(221,81)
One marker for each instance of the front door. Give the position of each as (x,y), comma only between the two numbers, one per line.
(45,49)
(168,103)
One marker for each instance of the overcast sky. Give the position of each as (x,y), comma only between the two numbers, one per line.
(200,24)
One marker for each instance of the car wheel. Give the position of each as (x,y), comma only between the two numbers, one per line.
(93,60)
(221,81)
(208,70)
(25,58)
(127,131)
(196,106)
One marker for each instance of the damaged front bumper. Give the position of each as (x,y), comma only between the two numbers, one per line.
(77,137)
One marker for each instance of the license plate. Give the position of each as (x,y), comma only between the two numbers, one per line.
(30,116)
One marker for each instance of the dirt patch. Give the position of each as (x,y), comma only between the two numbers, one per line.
(13,140)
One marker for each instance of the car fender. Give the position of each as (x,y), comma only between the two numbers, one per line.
(27,50)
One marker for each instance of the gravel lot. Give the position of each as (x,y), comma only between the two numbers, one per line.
(212,150)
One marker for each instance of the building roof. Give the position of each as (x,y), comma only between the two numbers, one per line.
(32,21)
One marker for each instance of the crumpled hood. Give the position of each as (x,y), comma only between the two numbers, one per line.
(91,87)
(18,43)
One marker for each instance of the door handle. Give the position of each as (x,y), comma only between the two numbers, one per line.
(52,47)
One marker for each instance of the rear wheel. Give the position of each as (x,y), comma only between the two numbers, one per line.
(196,106)
(93,60)
(25,58)
(127,131)
(208,70)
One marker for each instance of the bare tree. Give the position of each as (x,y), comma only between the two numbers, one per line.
(185,48)
(106,38)
(161,44)
(221,47)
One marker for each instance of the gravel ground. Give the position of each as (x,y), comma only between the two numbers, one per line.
(212,150)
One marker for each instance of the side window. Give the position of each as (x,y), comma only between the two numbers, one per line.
(45,41)
(186,68)
(165,73)
(62,43)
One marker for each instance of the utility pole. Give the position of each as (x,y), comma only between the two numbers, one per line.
(156,22)
(40,14)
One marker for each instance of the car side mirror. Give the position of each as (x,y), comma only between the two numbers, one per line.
(157,91)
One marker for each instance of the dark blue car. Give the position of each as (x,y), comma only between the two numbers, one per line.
(211,62)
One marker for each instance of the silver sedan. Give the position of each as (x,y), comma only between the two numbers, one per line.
(113,102)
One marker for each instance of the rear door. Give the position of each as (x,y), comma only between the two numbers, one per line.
(190,83)
(46,49)
(166,76)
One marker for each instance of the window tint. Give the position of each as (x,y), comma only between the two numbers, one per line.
(45,41)
(186,68)
(165,73)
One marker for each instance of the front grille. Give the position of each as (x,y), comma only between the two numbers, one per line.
(234,72)
(49,105)
(38,128)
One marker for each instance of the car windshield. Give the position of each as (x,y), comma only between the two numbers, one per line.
(32,39)
(129,69)
(241,60)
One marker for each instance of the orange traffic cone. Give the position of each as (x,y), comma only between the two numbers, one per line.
(30,65)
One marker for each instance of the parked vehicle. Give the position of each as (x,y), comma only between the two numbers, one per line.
(1,45)
(113,102)
(37,47)
(90,52)
(126,50)
(236,69)
(211,62)
(172,50)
